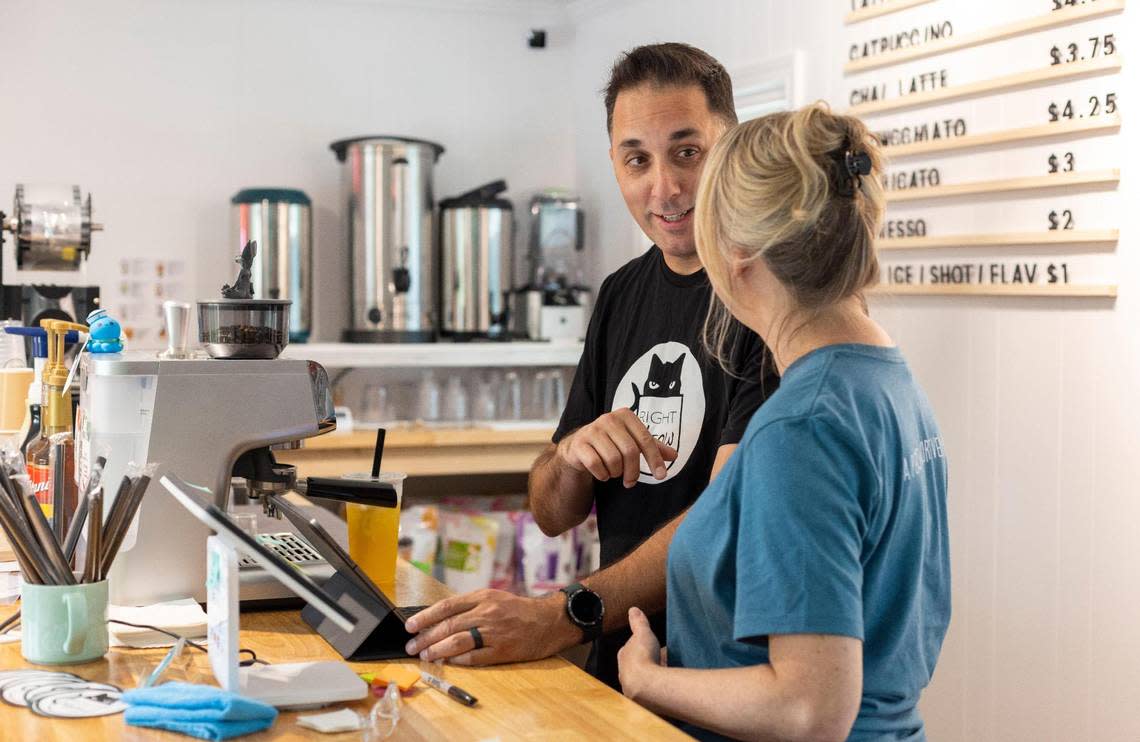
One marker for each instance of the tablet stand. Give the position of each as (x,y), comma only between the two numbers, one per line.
(379,633)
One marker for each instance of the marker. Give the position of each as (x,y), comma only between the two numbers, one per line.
(443,686)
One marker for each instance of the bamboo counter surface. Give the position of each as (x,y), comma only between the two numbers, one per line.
(421,451)
(546,700)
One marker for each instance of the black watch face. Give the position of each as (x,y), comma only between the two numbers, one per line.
(586,608)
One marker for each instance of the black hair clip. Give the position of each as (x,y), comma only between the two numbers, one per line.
(852,167)
(858,164)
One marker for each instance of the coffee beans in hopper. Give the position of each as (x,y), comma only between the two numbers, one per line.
(247,335)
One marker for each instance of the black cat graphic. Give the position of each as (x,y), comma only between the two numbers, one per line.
(664,380)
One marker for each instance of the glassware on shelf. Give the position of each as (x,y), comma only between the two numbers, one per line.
(429,401)
(557,396)
(484,405)
(510,397)
(455,401)
(376,407)
(539,389)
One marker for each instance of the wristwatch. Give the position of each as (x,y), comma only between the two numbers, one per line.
(585,609)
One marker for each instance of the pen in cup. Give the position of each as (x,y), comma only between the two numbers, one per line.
(443,686)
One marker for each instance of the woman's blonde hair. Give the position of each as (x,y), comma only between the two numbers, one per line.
(779,189)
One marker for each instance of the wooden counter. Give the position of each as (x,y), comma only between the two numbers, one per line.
(423,451)
(549,699)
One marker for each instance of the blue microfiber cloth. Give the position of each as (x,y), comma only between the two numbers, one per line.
(201,711)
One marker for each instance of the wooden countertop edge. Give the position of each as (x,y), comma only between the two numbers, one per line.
(428,438)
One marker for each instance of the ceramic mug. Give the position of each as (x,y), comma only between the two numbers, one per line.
(63,624)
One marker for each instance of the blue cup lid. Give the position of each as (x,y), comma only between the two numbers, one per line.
(39,338)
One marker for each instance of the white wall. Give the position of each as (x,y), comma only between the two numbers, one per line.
(164,109)
(1037,398)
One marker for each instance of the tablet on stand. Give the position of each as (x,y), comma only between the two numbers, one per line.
(290,685)
(380,632)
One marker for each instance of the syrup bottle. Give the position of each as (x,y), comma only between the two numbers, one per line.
(56,423)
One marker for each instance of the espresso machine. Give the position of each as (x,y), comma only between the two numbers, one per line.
(555,305)
(51,228)
(205,416)
(207,421)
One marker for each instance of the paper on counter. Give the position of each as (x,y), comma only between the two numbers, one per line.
(9,582)
(345,720)
(183,617)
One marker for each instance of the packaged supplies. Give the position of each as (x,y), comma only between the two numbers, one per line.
(545,563)
(419,536)
(589,546)
(505,572)
(468,550)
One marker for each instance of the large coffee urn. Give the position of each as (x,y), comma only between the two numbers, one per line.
(476,263)
(391,228)
(280,221)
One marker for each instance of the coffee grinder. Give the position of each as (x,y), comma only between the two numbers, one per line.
(555,305)
(51,228)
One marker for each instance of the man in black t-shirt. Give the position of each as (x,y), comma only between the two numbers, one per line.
(650,417)
(644,356)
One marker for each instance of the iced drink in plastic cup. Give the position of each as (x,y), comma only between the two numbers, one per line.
(374,532)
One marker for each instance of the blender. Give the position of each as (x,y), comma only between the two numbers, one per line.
(556,303)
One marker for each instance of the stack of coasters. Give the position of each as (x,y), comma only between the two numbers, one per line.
(59,695)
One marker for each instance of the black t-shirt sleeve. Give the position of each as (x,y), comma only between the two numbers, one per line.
(758,380)
(583,400)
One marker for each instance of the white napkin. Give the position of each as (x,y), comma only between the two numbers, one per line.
(345,720)
(183,617)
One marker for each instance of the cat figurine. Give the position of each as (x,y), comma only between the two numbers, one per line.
(663,380)
(243,286)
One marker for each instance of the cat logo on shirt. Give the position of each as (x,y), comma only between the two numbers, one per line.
(665,389)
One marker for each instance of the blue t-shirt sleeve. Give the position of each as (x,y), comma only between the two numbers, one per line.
(801,527)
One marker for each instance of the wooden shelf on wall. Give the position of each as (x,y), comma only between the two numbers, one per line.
(1043,291)
(1053,19)
(1108,237)
(866,14)
(437,355)
(1005,83)
(1085,127)
(1007,185)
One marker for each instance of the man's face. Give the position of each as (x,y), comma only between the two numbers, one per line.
(659,140)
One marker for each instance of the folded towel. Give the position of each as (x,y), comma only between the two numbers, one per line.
(201,711)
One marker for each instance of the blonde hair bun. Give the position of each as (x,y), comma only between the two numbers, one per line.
(802,191)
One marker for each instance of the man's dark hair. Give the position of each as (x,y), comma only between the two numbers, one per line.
(671,65)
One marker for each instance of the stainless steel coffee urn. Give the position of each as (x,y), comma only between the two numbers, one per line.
(388,187)
(280,221)
(476,263)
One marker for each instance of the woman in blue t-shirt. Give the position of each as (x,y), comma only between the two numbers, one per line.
(809,586)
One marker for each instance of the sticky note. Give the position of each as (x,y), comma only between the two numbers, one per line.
(403,676)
